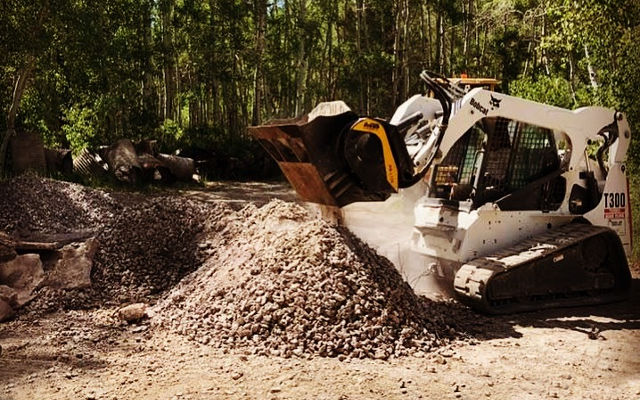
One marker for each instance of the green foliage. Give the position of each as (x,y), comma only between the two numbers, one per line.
(80,127)
(544,89)
(197,73)
(171,134)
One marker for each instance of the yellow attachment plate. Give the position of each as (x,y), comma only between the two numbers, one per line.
(374,127)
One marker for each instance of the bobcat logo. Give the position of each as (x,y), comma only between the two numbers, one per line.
(495,103)
(478,106)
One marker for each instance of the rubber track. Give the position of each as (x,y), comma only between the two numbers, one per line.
(472,278)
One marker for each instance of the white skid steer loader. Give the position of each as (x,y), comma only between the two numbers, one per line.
(518,214)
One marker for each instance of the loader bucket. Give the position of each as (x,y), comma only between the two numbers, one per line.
(309,152)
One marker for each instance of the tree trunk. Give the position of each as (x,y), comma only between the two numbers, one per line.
(365,32)
(572,77)
(168,68)
(301,62)
(452,43)
(467,32)
(440,50)
(361,88)
(545,61)
(397,57)
(331,87)
(405,51)
(593,78)
(18,89)
(261,18)
(430,38)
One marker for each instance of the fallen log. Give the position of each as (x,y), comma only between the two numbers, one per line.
(147,146)
(59,160)
(152,168)
(182,168)
(123,161)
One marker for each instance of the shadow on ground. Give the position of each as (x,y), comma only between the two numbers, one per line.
(591,320)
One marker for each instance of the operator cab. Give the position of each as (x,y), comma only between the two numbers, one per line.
(513,164)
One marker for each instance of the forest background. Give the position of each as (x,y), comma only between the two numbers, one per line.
(198,72)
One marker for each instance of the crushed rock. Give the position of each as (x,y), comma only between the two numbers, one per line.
(147,243)
(30,204)
(280,282)
(272,280)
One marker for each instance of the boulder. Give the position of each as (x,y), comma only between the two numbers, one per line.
(73,268)
(133,312)
(23,274)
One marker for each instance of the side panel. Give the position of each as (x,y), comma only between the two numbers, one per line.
(614,208)
(479,232)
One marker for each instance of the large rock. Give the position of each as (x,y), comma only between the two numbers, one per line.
(8,299)
(8,295)
(23,274)
(6,311)
(133,312)
(73,268)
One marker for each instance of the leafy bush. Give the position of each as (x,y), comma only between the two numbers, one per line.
(80,127)
(171,135)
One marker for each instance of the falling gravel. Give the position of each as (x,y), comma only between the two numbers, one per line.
(279,282)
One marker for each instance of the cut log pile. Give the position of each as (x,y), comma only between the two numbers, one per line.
(135,164)
(125,161)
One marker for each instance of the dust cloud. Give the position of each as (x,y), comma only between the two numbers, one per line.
(387,227)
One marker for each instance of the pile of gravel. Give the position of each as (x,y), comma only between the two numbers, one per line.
(272,280)
(147,243)
(280,282)
(151,245)
(30,205)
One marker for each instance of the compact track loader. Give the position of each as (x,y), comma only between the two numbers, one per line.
(527,204)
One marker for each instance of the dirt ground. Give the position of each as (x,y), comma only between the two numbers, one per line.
(572,353)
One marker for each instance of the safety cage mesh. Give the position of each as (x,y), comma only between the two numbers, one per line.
(510,155)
